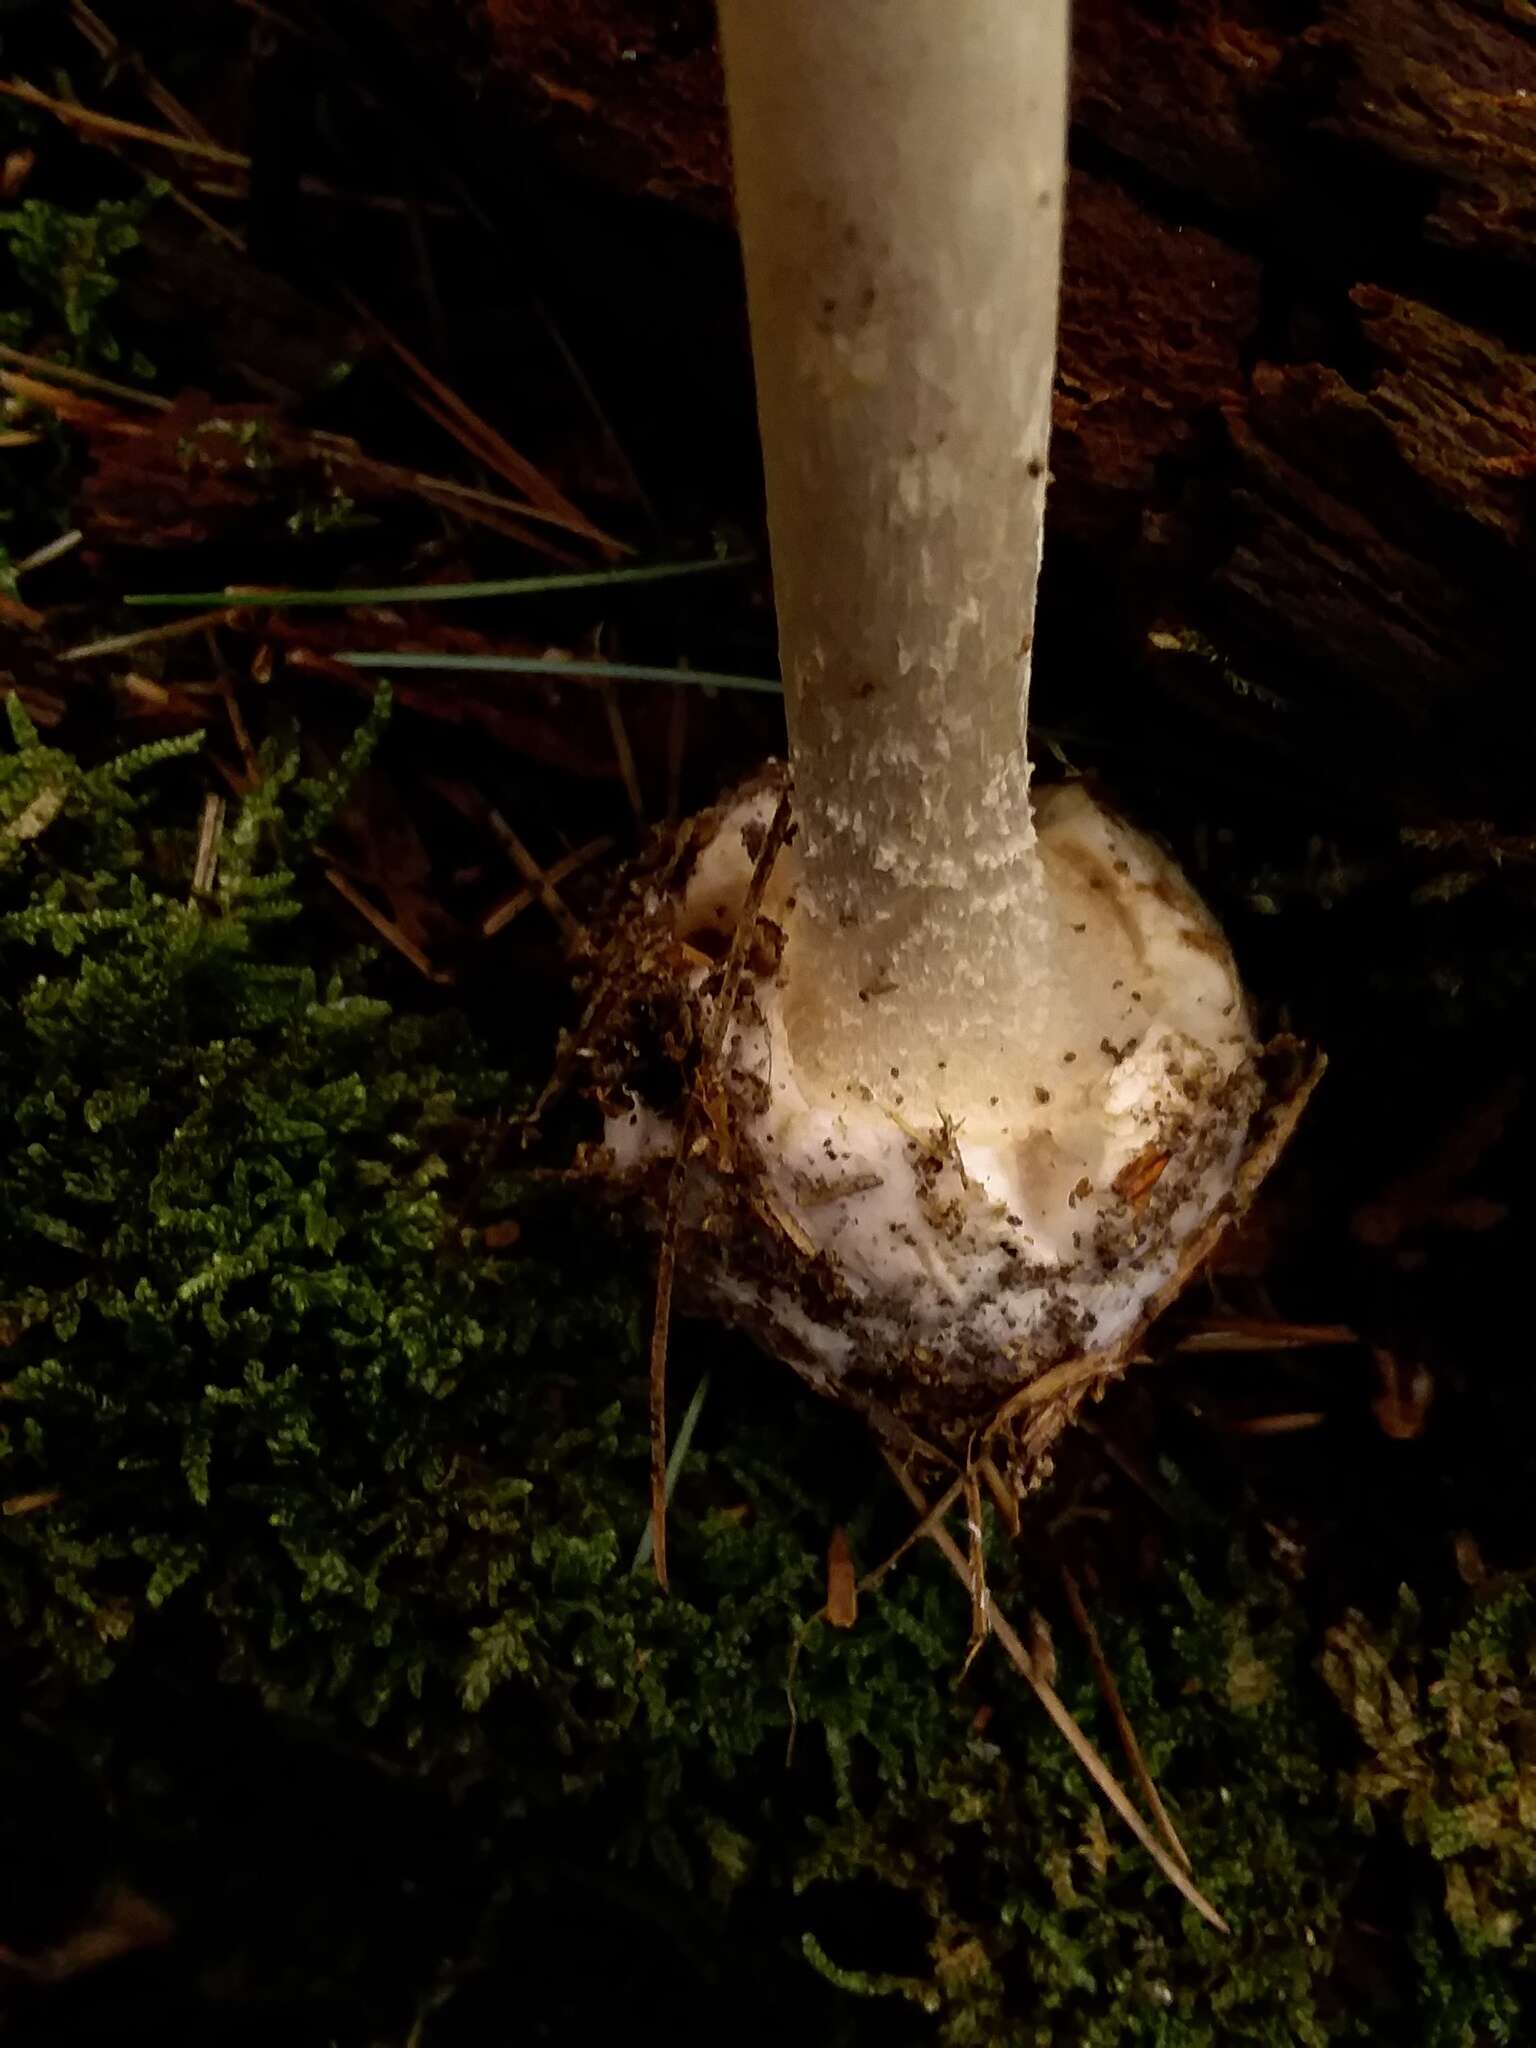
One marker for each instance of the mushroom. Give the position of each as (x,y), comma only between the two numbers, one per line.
(989,1073)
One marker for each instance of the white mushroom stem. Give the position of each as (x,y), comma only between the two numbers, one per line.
(968,1118)
(899,174)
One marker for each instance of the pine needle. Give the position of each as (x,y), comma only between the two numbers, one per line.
(1134,1754)
(126,643)
(46,370)
(125,131)
(1048,1697)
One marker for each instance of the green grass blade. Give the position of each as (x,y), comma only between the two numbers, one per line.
(552,665)
(433,593)
(675,1464)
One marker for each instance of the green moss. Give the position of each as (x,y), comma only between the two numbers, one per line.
(285,1420)
(66,269)
(1047,1927)
(1450,1732)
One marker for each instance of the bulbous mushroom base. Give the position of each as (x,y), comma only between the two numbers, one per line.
(930,1261)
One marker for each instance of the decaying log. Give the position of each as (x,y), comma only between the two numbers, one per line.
(1296,405)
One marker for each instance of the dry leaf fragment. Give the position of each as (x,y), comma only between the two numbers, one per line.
(842,1582)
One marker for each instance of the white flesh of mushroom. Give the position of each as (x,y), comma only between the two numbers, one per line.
(1005,1235)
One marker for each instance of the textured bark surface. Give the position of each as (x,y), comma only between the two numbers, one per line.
(1296,404)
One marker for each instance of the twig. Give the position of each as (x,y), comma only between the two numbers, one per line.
(666,1266)
(1076,1740)
(1122,1720)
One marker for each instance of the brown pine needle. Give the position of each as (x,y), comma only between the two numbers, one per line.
(976,1571)
(623,752)
(210,832)
(568,864)
(478,436)
(124,131)
(1289,1424)
(1263,1333)
(1076,1740)
(386,927)
(666,1264)
(677,743)
(44,368)
(125,643)
(1127,1734)
(539,879)
(468,499)
(1004,1499)
(108,47)
(242,735)
(51,551)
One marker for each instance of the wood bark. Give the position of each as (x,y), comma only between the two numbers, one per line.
(1296,401)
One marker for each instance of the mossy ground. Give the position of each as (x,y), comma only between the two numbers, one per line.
(324,1461)
(289,1422)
